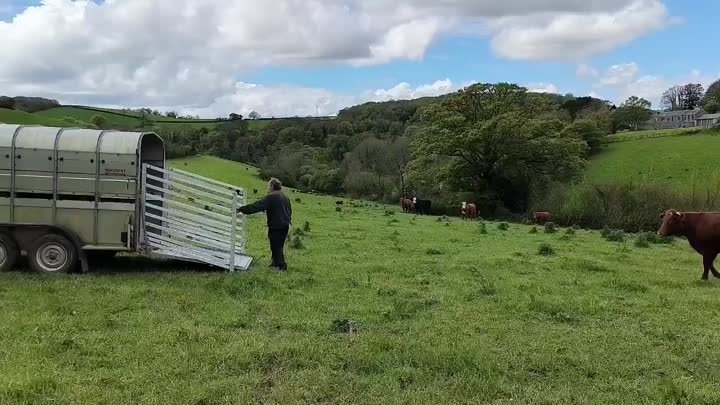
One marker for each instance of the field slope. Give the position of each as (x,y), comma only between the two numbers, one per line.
(379,307)
(679,161)
(23,118)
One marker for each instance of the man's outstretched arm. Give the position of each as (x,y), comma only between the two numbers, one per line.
(258,206)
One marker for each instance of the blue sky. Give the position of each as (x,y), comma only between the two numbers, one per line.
(669,44)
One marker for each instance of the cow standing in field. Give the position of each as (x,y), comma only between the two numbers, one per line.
(702,230)
(422,207)
(407,205)
(541,218)
(468,211)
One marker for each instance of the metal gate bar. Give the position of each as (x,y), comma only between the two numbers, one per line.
(193,218)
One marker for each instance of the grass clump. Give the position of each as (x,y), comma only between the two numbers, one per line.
(503,226)
(570,231)
(615,236)
(433,252)
(306,226)
(297,243)
(534,230)
(642,242)
(338,209)
(483,229)
(550,227)
(546,250)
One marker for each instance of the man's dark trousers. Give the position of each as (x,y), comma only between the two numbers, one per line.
(277,247)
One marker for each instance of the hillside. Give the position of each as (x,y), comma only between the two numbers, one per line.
(24,118)
(679,161)
(379,307)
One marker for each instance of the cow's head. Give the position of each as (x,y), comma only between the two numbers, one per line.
(414,200)
(673,223)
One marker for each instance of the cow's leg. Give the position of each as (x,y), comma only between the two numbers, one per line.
(710,262)
(707,264)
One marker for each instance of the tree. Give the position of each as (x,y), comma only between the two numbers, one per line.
(635,101)
(171,114)
(632,113)
(485,138)
(7,103)
(672,98)
(712,106)
(713,93)
(586,131)
(99,121)
(399,158)
(254,115)
(692,95)
(234,116)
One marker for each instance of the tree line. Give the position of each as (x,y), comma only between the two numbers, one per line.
(691,96)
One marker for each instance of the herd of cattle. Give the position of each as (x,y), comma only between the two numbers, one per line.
(702,229)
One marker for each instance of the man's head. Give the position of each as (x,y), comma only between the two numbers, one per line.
(274,185)
(673,223)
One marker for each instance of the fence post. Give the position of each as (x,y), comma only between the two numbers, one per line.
(233,230)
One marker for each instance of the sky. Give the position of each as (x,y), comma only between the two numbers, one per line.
(306,57)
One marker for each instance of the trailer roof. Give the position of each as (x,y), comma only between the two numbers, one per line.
(71,139)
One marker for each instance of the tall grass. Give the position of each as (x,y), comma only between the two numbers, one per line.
(628,206)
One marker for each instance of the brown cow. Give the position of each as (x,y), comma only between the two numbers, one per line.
(406,204)
(702,229)
(541,218)
(468,211)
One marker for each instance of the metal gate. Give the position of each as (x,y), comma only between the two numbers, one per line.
(189,217)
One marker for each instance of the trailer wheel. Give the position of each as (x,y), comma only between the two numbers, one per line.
(52,254)
(8,253)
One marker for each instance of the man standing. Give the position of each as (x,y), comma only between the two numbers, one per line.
(279,218)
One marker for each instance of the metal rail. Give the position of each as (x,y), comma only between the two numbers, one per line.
(193,218)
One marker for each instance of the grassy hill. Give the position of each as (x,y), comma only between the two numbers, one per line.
(679,161)
(23,118)
(379,307)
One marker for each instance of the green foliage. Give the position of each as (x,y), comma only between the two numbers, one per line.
(306,226)
(6,103)
(642,242)
(296,243)
(615,236)
(587,131)
(570,231)
(631,117)
(483,139)
(99,121)
(712,95)
(503,226)
(533,230)
(483,228)
(546,250)
(338,209)
(550,227)
(712,106)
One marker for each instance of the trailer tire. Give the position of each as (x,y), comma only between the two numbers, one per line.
(52,254)
(8,253)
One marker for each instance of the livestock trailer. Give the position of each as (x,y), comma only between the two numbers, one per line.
(67,194)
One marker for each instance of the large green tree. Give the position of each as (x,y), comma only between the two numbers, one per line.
(632,113)
(488,137)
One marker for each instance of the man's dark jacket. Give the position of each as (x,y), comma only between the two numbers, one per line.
(277,207)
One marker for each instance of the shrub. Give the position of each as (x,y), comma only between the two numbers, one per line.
(656,239)
(616,236)
(483,228)
(642,242)
(550,227)
(534,229)
(546,250)
(296,243)
(306,226)
(503,226)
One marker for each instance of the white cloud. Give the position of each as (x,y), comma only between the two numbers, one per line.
(584,70)
(572,36)
(542,88)
(621,74)
(190,53)
(284,101)
(624,80)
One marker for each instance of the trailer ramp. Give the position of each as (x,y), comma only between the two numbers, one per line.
(192,218)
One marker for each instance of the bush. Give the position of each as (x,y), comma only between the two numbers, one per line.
(297,243)
(656,239)
(642,241)
(306,226)
(483,228)
(503,226)
(550,227)
(615,236)
(546,250)
(534,229)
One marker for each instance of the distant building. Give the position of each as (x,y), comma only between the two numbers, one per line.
(676,119)
(708,120)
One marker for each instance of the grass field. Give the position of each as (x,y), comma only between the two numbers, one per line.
(649,134)
(23,118)
(377,308)
(679,161)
